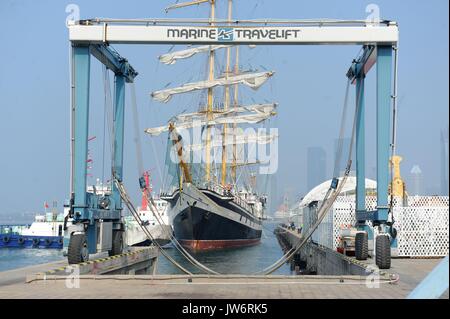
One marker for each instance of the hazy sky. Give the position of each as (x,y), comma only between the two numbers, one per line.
(309,85)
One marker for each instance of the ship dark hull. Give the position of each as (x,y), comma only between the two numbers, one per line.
(199,229)
(225,225)
(148,242)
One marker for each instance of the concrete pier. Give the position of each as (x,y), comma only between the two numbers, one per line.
(325,262)
(212,287)
(316,259)
(134,261)
(99,279)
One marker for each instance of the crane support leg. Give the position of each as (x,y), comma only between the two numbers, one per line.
(357,74)
(382,56)
(119,119)
(81,69)
(81,72)
(361,224)
(97,224)
(117,166)
(360,148)
(383,111)
(383,116)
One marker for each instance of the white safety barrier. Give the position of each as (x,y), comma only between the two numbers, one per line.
(422,224)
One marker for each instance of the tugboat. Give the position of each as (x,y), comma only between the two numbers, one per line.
(45,232)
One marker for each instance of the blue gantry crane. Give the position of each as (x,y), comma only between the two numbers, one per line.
(96,222)
(386,238)
(97,217)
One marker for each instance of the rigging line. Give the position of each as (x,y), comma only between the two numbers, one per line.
(326,203)
(108,112)
(149,196)
(394,131)
(162,177)
(137,136)
(158,165)
(109,108)
(104,128)
(337,160)
(135,214)
(149,236)
(356,113)
(133,211)
(176,243)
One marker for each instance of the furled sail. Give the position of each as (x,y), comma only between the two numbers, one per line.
(171,58)
(256,108)
(185,4)
(219,120)
(252,80)
(235,139)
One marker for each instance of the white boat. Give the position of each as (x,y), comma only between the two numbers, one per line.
(160,228)
(45,225)
(45,232)
(134,236)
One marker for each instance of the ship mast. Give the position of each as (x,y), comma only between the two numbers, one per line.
(235,103)
(250,114)
(209,110)
(226,105)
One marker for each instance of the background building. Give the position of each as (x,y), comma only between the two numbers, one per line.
(416,181)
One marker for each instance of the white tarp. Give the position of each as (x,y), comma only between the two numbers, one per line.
(171,58)
(252,80)
(202,121)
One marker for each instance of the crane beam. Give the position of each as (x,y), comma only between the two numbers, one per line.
(113,61)
(265,33)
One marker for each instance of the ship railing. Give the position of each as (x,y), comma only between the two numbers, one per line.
(219,189)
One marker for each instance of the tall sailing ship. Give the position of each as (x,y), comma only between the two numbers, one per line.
(214,202)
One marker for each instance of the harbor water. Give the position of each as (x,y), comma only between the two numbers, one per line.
(245,260)
(13,258)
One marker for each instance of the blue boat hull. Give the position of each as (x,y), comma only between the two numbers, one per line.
(19,241)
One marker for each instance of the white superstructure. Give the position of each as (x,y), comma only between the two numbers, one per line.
(161,232)
(45,225)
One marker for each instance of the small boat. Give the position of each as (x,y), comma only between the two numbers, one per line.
(45,232)
(159,228)
(134,236)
